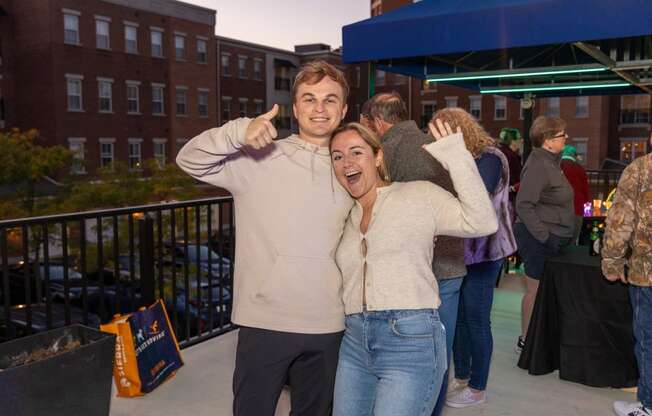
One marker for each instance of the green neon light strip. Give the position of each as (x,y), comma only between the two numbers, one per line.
(554,87)
(515,75)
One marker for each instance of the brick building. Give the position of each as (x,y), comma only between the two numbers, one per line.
(113,80)
(7,89)
(616,127)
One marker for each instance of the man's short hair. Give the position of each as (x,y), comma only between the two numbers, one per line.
(544,128)
(366,107)
(389,107)
(314,71)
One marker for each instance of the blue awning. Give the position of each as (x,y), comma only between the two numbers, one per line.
(440,27)
(482,38)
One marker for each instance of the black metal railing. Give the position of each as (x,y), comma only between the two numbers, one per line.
(602,182)
(85,267)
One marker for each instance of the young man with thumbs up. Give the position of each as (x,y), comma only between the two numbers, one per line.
(290,213)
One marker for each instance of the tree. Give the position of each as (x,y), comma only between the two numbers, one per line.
(23,162)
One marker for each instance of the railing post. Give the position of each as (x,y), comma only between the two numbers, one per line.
(146,260)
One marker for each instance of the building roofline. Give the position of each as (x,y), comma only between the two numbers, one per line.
(255,45)
(142,5)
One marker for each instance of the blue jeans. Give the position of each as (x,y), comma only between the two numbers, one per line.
(474,343)
(391,363)
(449,293)
(641,299)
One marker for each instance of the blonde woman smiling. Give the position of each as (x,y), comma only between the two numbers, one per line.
(393,354)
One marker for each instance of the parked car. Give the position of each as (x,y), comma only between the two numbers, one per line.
(53,275)
(198,256)
(18,318)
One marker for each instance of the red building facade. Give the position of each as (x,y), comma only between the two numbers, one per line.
(113,80)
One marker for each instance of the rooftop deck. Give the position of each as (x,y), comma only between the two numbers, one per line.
(203,386)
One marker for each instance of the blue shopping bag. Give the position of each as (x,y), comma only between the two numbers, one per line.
(155,346)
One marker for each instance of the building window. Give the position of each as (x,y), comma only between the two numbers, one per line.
(284,118)
(581,107)
(106,152)
(282,78)
(180,47)
(159,152)
(635,109)
(226,63)
(102,39)
(632,147)
(451,102)
(258,107)
(242,107)
(475,106)
(131,38)
(133,97)
(581,144)
(380,78)
(77,145)
(258,69)
(74,91)
(500,108)
(157,43)
(428,108)
(242,66)
(226,109)
(135,154)
(105,95)
(158,100)
(71,28)
(181,101)
(552,107)
(202,103)
(202,57)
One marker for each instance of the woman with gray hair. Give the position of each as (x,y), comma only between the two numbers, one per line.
(544,209)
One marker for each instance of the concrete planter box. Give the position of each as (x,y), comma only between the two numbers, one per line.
(74,382)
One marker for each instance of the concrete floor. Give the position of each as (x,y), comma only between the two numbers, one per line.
(203,386)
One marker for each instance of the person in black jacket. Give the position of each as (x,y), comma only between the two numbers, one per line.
(544,208)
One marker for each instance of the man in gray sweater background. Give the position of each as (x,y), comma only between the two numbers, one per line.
(402,141)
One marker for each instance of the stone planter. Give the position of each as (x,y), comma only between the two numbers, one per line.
(76,381)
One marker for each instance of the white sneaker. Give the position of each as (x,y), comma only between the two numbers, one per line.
(457,384)
(467,397)
(631,409)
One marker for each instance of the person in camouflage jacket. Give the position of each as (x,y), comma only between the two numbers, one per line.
(627,256)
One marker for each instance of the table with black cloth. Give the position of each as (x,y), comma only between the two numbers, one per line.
(581,324)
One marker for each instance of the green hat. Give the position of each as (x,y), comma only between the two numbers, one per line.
(569,153)
(507,135)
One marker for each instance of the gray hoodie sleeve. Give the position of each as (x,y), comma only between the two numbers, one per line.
(534,179)
(216,156)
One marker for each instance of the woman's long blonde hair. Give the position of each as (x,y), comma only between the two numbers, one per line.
(476,137)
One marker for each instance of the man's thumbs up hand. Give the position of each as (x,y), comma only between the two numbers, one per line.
(261,132)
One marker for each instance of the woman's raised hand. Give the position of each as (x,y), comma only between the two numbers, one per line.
(440,129)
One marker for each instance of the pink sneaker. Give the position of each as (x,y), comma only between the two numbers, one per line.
(466,398)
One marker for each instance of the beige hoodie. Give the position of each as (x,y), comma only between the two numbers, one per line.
(290,213)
